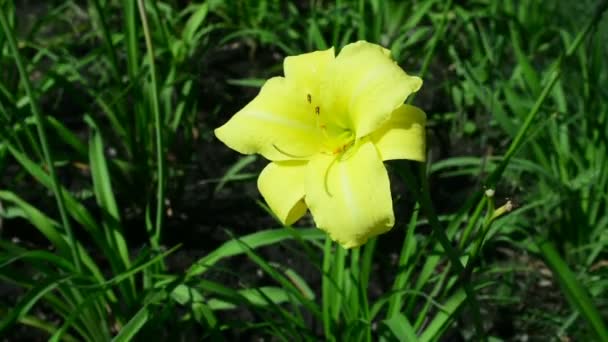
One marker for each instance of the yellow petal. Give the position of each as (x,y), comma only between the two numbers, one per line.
(278,124)
(366,85)
(350,199)
(282,186)
(403,135)
(306,70)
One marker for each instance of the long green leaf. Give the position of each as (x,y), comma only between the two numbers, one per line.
(30,299)
(574,290)
(25,79)
(47,226)
(104,194)
(401,328)
(136,322)
(264,238)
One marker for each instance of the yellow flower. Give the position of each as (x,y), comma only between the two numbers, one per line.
(327,127)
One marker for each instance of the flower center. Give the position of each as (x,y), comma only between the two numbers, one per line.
(335,131)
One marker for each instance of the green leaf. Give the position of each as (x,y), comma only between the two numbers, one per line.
(236,246)
(573,289)
(233,172)
(67,136)
(47,226)
(401,328)
(194,22)
(435,328)
(30,299)
(262,296)
(132,327)
(102,186)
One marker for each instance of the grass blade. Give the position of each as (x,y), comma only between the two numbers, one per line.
(401,328)
(133,326)
(158,124)
(25,79)
(574,290)
(252,241)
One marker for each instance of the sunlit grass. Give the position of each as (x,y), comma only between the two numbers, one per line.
(106,111)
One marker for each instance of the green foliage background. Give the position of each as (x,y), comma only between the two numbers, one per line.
(121,217)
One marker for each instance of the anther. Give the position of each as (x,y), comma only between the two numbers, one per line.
(317,110)
(309,98)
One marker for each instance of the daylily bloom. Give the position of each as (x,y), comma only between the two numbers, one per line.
(327,127)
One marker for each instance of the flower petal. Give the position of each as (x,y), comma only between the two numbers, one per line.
(282,186)
(350,199)
(368,84)
(402,136)
(306,69)
(278,123)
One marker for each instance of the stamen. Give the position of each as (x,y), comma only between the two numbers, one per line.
(325,182)
(317,110)
(289,154)
(309,98)
(347,150)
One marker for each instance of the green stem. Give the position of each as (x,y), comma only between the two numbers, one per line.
(485,228)
(471,224)
(42,137)
(160,195)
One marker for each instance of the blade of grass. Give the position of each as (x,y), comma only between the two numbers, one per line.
(25,79)
(574,290)
(106,37)
(407,251)
(104,193)
(437,37)
(280,278)
(29,300)
(401,328)
(422,195)
(255,240)
(49,328)
(233,171)
(338,276)
(435,327)
(136,322)
(326,290)
(158,124)
(43,223)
